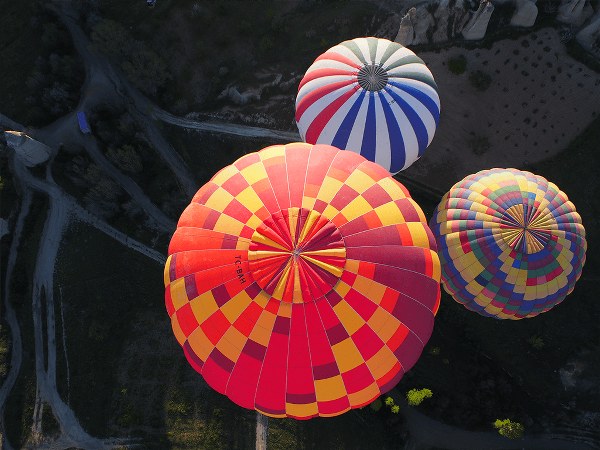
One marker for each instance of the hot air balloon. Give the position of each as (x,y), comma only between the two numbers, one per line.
(373,97)
(302,281)
(510,243)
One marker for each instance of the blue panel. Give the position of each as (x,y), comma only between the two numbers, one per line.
(343,133)
(367,149)
(422,97)
(415,121)
(397,149)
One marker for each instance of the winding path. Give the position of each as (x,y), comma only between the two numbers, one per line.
(103,83)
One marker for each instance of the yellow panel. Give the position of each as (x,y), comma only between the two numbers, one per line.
(179,335)
(178,293)
(232,343)
(254,173)
(369,288)
(261,332)
(388,329)
(304,410)
(389,214)
(285,310)
(391,186)
(346,355)
(223,175)
(219,199)
(356,208)
(341,288)
(359,181)
(348,317)
(166,277)
(204,306)
(330,388)
(352,265)
(329,189)
(262,299)
(250,199)
(200,344)
(272,152)
(378,319)
(330,212)
(226,224)
(381,363)
(235,306)
(365,395)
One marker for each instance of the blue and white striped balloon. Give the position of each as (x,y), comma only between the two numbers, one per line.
(371,96)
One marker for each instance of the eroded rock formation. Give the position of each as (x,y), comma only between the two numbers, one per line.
(574,12)
(525,13)
(477,26)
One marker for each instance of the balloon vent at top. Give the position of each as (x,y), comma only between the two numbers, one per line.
(373,97)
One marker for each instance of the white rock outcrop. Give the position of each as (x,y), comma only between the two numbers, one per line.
(422,22)
(589,36)
(574,12)
(477,26)
(406,31)
(28,150)
(525,13)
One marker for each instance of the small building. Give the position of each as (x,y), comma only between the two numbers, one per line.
(28,150)
(84,126)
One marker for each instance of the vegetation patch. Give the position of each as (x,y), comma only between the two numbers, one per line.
(104,286)
(480,80)
(457,65)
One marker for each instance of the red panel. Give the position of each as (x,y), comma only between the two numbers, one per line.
(241,387)
(299,373)
(270,394)
(186,319)
(320,351)
(215,326)
(334,406)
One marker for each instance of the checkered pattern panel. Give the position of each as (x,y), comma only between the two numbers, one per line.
(302,281)
(511,243)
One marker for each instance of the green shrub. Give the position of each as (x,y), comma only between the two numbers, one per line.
(416,396)
(376,405)
(537,342)
(480,80)
(509,429)
(457,65)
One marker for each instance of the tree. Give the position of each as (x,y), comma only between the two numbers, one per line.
(480,80)
(457,65)
(509,429)
(416,396)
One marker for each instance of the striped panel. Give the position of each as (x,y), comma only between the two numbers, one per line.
(373,97)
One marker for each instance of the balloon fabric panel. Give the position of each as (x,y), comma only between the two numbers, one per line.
(511,244)
(373,97)
(280,292)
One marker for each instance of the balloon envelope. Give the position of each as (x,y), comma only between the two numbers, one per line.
(373,97)
(302,281)
(510,243)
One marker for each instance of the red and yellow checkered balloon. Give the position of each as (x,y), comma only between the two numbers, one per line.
(302,281)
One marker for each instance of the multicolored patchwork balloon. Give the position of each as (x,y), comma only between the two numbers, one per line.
(302,281)
(373,97)
(511,244)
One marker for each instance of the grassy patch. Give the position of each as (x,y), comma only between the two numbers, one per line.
(20,402)
(43,74)
(104,287)
(18,52)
